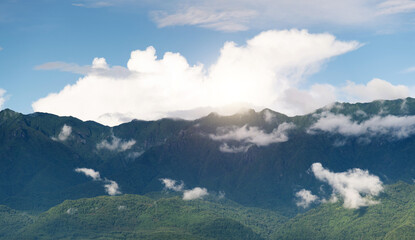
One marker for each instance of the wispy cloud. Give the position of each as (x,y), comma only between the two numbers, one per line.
(234,149)
(357,187)
(116,144)
(99,67)
(229,21)
(96,3)
(111,187)
(409,70)
(243,15)
(389,7)
(64,134)
(89,173)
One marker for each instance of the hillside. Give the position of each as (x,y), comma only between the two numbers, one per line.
(258,159)
(140,217)
(392,218)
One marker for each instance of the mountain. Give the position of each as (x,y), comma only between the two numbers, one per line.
(258,159)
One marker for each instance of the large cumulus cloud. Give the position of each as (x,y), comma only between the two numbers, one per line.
(265,72)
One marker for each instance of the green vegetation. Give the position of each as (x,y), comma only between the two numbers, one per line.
(392,218)
(166,217)
(140,217)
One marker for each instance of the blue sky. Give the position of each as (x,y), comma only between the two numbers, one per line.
(34,33)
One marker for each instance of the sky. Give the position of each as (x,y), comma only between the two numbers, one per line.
(115,60)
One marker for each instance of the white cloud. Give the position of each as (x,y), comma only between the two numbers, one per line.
(2,97)
(395,126)
(64,133)
(357,187)
(172,184)
(110,186)
(89,173)
(1,48)
(305,198)
(195,193)
(253,135)
(265,73)
(374,90)
(116,144)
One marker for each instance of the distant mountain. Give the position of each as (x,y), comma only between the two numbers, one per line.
(258,159)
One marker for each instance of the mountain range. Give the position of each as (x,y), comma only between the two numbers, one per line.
(265,161)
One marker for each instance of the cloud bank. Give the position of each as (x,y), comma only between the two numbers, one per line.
(249,136)
(396,126)
(376,89)
(357,187)
(116,144)
(267,71)
(111,187)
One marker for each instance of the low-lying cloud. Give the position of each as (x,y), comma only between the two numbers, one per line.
(89,173)
(172,184)
(249,136)
(111,187)
(195,193)
(116,144)
(357,187)
(188,194)
(305,198)
(64,133)
(396,126)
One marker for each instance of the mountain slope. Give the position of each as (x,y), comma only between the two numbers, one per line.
(139,217)
(37,169)
(392,218)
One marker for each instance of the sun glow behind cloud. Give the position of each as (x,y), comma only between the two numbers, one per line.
(263,73)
